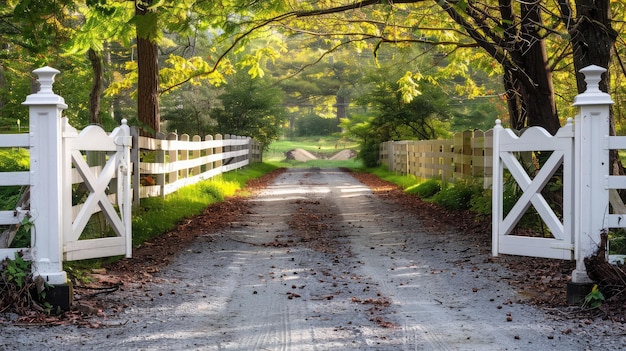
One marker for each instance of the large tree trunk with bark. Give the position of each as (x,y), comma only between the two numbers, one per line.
(96,88)
(592,39)
(522,53)
(592,42)
(148,79)
(528,80)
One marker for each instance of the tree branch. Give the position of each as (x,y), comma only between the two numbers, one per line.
(354,6)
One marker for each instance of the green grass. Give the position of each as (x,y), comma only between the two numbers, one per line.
(157,215)
(328,145)
(403,181)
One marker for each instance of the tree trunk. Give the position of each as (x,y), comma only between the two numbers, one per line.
(342,111)
(97,87)
(592,39)
(531,77)
(522,53)
(515,104)
(148,79)
(592,42)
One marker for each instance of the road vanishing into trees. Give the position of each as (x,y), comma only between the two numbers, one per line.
(321,263)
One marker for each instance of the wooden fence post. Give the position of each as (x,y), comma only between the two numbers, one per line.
(226,149)
(195,154)
(184,156)
(488,160)
(218,150)
(462,154)
(251,152)
(209,152)
(46,186)
(159,157)
(592,170)
(172,157)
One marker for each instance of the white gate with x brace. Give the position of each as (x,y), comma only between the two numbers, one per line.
(97,180)
(591,203)
(56,163)
(506,148)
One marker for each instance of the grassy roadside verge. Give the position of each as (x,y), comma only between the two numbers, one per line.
(158,215)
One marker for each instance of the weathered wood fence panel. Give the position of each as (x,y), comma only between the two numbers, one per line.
(467,155)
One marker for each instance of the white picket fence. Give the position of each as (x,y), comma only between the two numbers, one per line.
(62,162)
(589,208)
(181,161)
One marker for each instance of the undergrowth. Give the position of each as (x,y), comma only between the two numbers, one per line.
(19,291)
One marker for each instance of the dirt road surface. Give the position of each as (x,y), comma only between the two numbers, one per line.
(320,263)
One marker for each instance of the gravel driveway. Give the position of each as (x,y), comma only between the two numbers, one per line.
(320,263)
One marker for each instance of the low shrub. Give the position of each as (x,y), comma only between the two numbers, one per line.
(426,189)
(457,196)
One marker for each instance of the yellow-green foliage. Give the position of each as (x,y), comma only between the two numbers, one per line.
(14,159)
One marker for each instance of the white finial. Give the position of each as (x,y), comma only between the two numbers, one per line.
(45,95)
(46,79)
(593,95)
(593,75)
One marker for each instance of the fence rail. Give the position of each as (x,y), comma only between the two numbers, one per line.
(167,163)
(468,154)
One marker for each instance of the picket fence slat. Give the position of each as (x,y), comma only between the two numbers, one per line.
(155,168)
(615,182)
(617,142)
(173,166)
(168,145)
(536,247)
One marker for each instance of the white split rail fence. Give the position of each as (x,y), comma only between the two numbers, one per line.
(58,163)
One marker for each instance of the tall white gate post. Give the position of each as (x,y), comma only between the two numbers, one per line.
(45,179)
(591,169)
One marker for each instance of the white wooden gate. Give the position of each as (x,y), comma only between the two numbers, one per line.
(98,181)
(507,147)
